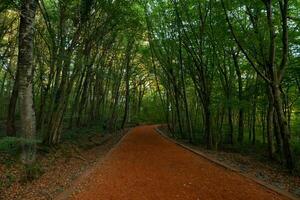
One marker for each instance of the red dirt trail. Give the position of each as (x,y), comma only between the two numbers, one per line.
(146,166)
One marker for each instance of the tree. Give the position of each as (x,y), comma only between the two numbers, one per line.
(25,84)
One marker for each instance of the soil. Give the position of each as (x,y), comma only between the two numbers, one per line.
(145,165)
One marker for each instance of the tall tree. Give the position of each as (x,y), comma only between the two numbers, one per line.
(25,68)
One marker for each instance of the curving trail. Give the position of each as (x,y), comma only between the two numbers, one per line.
(145,166)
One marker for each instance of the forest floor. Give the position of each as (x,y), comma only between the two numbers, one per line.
(56,168)
(145,165)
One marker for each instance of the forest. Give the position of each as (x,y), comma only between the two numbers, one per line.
(221,74)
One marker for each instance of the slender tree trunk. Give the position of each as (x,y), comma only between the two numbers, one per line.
(249,126)
(3,84)
(240,94)
(277,134)
(187,114)
(263,126)
(270,123)
(2,96)
(186,106)
(127,79)
(83,100)
(127,99)
(10,121)
(283,125)
(113,119)
(176,97)
(207,126)
(230,123)
(140,98)
(253,125)
(222,113)
(76,100)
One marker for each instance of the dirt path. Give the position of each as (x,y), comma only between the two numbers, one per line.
(145,166)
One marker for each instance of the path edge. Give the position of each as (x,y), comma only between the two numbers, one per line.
(227,167)
(79,180)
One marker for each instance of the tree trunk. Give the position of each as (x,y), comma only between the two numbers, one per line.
(270,117)
(25,67)
(76,100)
(176,97)
(10,122)
(207,125)
(277,135)
(240,94)
(127,79)
(127,97)
(230,124)
(253,125)
(83,99)
(186,106)
(263,125)
(283,126)
(3,84)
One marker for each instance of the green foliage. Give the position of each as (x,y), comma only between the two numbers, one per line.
(151,111)
(10,145)
(13,145)
(76,134)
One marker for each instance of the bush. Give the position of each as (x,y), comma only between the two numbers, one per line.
(11,145)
